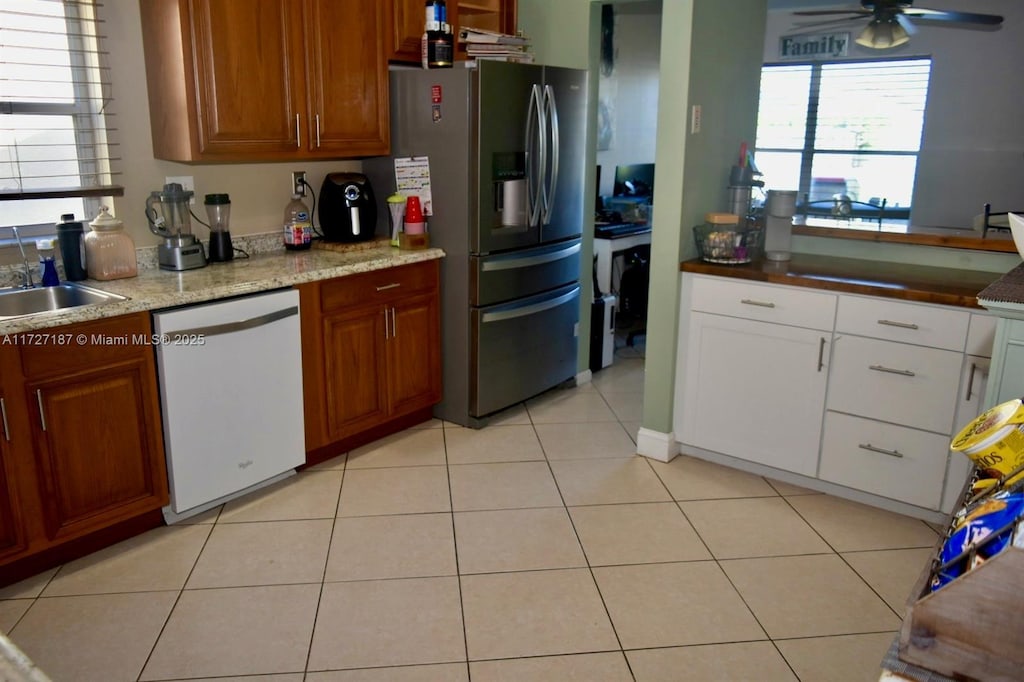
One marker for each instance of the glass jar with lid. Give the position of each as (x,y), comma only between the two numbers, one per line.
(109,251)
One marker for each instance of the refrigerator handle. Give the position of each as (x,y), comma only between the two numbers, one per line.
(551,110)
(534,166)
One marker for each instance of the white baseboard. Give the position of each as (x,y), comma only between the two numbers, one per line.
(656,445)
(584,377)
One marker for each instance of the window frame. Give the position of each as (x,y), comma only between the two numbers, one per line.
(808,151)
(83,113)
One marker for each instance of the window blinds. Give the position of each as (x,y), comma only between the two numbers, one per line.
(54,99)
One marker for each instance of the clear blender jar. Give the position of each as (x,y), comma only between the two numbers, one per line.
(167,211)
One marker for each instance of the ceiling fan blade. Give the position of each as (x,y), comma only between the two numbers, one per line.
(828,23)
(906,23)
(855,13)
(949,15)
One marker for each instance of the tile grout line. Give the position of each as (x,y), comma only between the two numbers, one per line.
(583,550)
(327,561)
(455,550)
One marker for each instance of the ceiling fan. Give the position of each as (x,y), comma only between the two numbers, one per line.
(890,23)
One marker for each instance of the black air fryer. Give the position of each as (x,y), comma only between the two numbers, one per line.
(348,211)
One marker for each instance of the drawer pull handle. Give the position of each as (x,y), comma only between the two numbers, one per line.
(882,451)
(393,285)
(3,410)
(970,381)
(890,370)
(42,414)
(762,304)
(821,354)
(904,325)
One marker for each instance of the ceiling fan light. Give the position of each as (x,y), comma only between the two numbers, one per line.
(879,35)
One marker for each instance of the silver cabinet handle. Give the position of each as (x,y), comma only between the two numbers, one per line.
(42,414)
(3,411)
(890,370)
(298,138)
(970,380)
(230,327)
(394,325)
(762,304)
(387,332)
(318,130)
(882,451)
(393,285)
(821,354)
(904,325)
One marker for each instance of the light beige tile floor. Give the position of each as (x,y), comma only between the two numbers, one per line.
(539,549)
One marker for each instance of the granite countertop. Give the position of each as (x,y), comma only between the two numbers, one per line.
(154,289)
(921,283)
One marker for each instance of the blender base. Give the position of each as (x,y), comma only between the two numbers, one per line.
(177,258)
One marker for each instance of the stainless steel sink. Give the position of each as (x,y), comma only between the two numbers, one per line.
(21,302)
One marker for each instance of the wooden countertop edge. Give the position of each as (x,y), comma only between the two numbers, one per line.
(960,240)
(859,277)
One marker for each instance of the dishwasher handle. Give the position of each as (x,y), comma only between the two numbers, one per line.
(231,327)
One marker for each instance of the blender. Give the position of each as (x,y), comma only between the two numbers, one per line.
(167,211)
(218,210)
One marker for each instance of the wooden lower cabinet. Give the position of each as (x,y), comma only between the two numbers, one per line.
(82,447)
(371,352)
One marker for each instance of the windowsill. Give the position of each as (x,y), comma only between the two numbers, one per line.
(999,242)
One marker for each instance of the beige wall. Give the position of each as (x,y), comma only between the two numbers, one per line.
(259,192)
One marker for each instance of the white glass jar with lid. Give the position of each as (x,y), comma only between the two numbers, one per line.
(109,251)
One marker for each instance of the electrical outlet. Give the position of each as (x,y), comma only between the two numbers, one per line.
(695,119)
(299,183)
(187,183)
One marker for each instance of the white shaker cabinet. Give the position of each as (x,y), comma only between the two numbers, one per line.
(857,394)
(755,372)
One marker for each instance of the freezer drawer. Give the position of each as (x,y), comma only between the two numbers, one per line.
(509,276)
(523,348)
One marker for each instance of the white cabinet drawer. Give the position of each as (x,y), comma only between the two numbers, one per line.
(891,461)
(981,335)
(764,302)
(904,322)
(895,382)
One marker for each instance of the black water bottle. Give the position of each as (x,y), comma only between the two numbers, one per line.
(71,238)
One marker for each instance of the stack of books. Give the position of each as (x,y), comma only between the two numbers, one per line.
(482,44)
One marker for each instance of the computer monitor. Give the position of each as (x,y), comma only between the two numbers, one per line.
(636,180)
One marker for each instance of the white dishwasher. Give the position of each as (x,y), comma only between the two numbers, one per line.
(231,396)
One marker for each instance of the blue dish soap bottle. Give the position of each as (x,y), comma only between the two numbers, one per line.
(47,264)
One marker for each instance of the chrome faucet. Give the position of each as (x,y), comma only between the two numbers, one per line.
(26,276)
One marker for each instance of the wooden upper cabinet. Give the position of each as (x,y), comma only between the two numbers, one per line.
(249,80)
(348,90)
(407,18)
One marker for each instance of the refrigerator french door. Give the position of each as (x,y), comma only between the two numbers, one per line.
(505,146)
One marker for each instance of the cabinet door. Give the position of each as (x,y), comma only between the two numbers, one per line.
(414,352)
(970,403)
(348,110)
(405,30)
(250,74)
(755,391)
(97,447)
(355,370)
(12,536)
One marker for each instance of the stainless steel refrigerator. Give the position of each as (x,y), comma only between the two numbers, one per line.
(505,144)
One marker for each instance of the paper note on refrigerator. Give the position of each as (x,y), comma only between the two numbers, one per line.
(412,177)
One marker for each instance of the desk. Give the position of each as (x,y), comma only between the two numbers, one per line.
(605,251)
